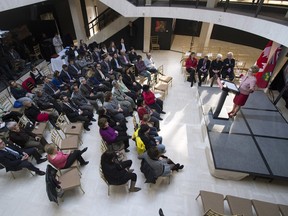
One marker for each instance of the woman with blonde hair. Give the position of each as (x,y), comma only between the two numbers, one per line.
(247,86)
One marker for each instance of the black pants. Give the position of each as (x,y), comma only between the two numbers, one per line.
(126,165)
(53,119)
(122,137)
(158,105)
(34,152)
(215,77)
(81,118)
(192,75)
(200,73)
(75,155)
(12,115)
(230,75)
(25,164)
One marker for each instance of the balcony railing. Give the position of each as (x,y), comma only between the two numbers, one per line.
(100,22)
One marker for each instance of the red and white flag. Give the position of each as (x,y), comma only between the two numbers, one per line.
(266,67)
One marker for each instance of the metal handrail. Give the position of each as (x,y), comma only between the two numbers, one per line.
(101,21)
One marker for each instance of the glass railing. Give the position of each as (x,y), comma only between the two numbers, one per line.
(100,22)
(270,10)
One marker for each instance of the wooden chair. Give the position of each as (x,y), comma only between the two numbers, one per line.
(67,143)
(265,208)
(211,212)
(211,200)
(164,78)
(36,52)
(154,43)
(160,86)
(283,209)
(69,128)
(109,185)
(239,205)
(39,128)
(70,180)
(8,105)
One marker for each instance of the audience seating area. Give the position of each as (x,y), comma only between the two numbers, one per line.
(213,205)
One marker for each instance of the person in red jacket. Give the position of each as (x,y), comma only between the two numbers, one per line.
(151,100)
(191,65)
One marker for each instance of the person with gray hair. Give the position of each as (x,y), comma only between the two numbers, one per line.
(215,68)
(25,138)
(228,67)
(122,98)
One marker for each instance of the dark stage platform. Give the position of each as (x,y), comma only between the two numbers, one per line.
(253,142)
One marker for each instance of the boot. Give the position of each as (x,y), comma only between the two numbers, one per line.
(133,188)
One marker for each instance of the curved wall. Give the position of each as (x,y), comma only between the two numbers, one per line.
(267,29)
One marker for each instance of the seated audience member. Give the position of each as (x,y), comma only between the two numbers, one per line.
(89,94)
(80,100)
(141,68)
(107,68)
(133,55)
(7,115)
(114,123)
(34,114)
(191,66)
(94,83)
(45,101)
(112,137)
(130,81)
(96,55)
(18,92)
(66,77)
(36,75)
(29,85)
(162,165)
(215,68)
(228,67)
(83,48)
(143,109)
(57,82)
(115,63)
(75,114)
(101,76)
(25,138)
(151,100)
(51,89)
(117,172)
(71,52)
(122,46)
(122,87)
(150,64)
(112,49)
(103,50)
(114,108)
(61,160)
(74,69)
(14,158)
(202,69)
(150,141)
(153,128)
(122,98)
(124,60)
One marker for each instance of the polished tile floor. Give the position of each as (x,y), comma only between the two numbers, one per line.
(181,130)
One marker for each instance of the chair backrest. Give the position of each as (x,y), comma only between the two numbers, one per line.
(154,39)
(102,175)
(161,69)
(56,138)
(36,49)
(211,212)
(6,102)
(103,146)
(136,121)
(23,121)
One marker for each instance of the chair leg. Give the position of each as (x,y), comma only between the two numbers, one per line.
(197,196)
(108,190)
(82,189)
(12,174)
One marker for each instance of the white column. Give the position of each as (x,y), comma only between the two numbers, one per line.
(77,18)
(147,34)
(205,34)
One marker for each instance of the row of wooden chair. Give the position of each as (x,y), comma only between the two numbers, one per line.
(213,205)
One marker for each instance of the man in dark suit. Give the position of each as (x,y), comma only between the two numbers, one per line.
(75,114)
(102,77)
(107,68)
(96,55)
(14,158)
(65,76)
(202,69)
(115,63)
(228,67)
(74,69)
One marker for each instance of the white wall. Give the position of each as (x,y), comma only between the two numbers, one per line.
(11,4)
(271,30)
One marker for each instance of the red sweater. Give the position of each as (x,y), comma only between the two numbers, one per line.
(141,112)
(191,63)
(149,97)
